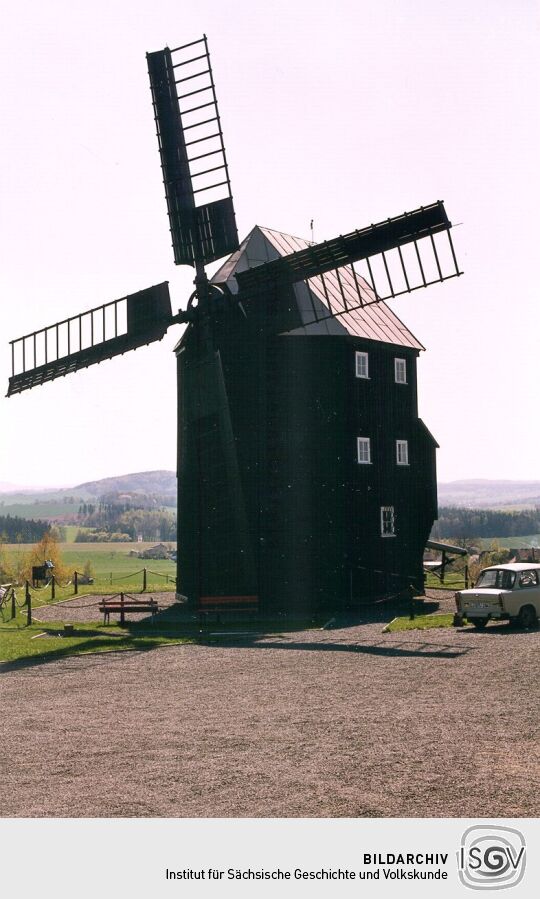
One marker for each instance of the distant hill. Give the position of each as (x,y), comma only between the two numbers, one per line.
(139,482)
(62,504)
(474,493)
(162,482)
(486,494)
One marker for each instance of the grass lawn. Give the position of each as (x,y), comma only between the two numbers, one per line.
(44,641)
(453,580)
(420,622)
(19,642)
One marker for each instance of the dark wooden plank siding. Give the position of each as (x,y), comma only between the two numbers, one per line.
(312,512)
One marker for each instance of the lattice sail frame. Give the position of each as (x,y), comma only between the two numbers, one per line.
(367,266)
(381,277)
(90,337)
(330,279)
(192,152)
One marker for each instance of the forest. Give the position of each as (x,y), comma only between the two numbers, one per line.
(21,530)
(119,521)
(456,522)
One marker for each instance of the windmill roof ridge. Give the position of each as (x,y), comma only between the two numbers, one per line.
(367,319)
(265,229)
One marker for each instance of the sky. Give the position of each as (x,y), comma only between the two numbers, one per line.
(345,113)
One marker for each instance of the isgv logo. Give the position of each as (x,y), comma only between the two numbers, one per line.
(491,857)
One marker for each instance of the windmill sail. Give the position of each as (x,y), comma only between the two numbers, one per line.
(397,256)
(90,337)
(193,161)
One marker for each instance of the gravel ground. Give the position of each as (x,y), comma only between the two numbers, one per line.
(86,608)
(348,722)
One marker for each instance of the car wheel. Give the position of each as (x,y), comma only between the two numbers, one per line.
(479,622)
(527,617)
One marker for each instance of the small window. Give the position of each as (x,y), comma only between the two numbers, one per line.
(388,521)
(400,371)
(402,452)
(363,450)
(362,365)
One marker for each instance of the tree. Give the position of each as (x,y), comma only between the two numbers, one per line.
(48,548)
(5,565)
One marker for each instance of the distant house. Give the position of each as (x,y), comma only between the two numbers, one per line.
(160,551)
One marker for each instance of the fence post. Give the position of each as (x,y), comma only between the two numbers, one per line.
(466,577)
(76,581)
(28,598)
(53,587)
(111,578)
(443,566)
(13,605)
(122,613)
(144,580)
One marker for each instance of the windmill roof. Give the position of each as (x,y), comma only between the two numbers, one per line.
(317,297)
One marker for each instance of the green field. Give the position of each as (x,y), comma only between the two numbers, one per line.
(113,569)
(71,531)
(510,542)
(42,511)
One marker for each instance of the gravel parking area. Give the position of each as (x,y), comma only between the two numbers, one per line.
(348,722)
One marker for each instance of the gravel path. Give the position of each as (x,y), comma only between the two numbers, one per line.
(349,722)
(86,608)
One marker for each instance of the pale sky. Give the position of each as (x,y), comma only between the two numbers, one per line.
(344,112)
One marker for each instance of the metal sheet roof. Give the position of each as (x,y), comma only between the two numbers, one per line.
(320,296)
(446,547)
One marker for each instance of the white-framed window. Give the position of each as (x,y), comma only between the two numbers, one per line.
(388,521)
(363,450)
(361,364)
(400,371)
(402,452)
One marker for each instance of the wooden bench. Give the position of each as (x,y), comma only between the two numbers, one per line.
(126,604)
(217,604)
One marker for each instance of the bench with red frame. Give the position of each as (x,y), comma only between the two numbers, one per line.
(207,605)
(126,603)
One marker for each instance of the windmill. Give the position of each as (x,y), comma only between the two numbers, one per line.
(271,451)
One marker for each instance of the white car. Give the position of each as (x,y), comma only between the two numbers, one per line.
(510,592)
